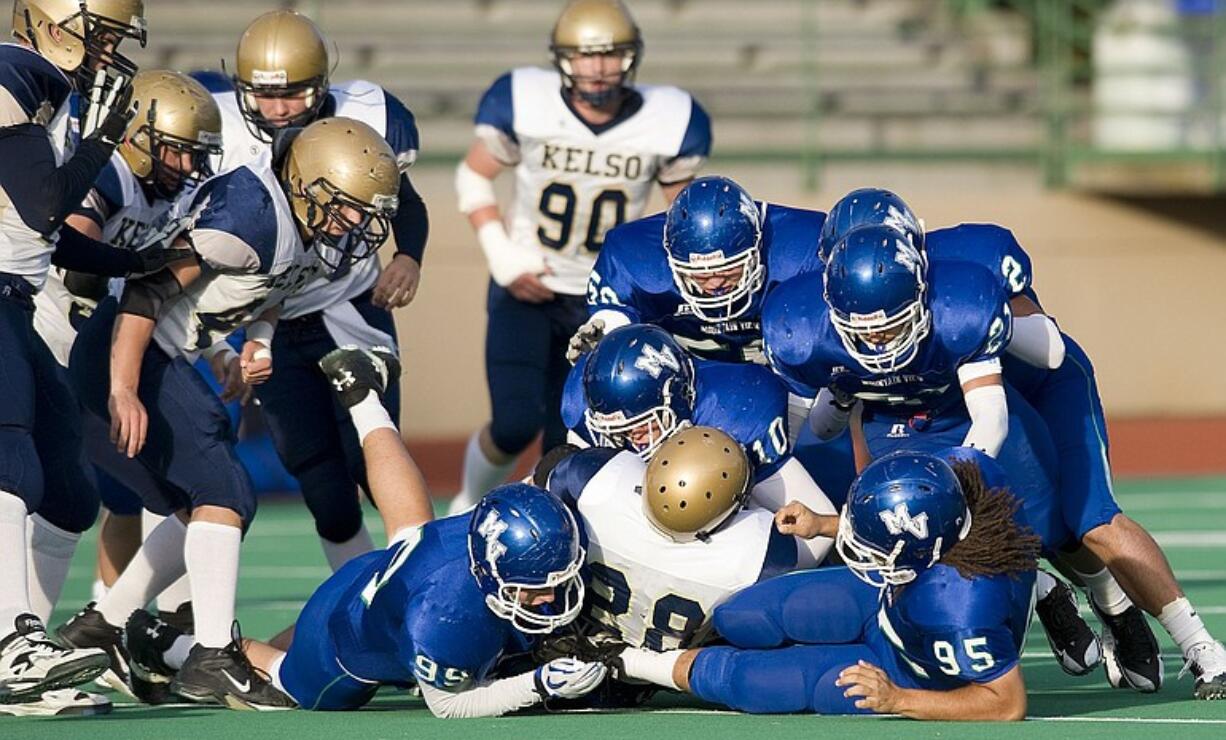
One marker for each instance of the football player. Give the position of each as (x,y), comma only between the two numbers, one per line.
(586,144)
(701,271)
(61,46)
(1067,398)
(281,80)
(440,606)
(928,620)
(661,562)
(638,387)
(258,235)
(165,151)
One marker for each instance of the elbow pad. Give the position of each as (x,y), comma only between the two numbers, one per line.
(1037,341)
(145,297)
(989,412)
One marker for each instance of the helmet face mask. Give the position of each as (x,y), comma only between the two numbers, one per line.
(175,134)
(881,343)
(169,180)
(342,229)
(868,563)
(727,303)
(82,37)
(642,433)
(281,74)
(309,95)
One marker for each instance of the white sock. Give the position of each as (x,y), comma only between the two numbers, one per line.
(646,665)
(50,554)
(14,587)
(1044,582)
(1184,624)
(369,415)
(176,595)
(339,553)
(97,592)
(274,673)
(211,553)
(148,522)
(480,475)
(1106,592)
(157,564)
(176,654)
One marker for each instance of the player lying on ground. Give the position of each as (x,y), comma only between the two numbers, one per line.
(439,607)
(927,621)
(638,387)
(1067,399)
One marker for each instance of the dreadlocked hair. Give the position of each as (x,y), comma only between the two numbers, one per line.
(996,543)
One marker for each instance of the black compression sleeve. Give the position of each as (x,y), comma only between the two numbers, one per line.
(411,224)
(76,251)
(42,193)
(145,296)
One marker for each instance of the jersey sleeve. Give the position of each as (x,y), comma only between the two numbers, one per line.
(401,131)
(442,652)
(781,555)
(574,402)
(237,228)
(1000,331)
(973,655)
(694,150)
(751,404)
(572,475)
(104,199)
(495,121)
(788,335)
(610,286)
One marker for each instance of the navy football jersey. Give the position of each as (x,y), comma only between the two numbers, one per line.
(632,277)
(414,612)
(745,401)
(971,322)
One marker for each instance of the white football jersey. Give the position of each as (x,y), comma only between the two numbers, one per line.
(654,592)
(574,182)
(32,91)
(252,258)
(363,101)
(129,217)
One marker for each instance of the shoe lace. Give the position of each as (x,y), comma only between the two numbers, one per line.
(236,652)
(1195,661)
(1063,617)
(1137,643)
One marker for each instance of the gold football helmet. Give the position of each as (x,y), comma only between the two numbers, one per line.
(282,54)
(343,186)
(81,36)
(696,482)
(596,27)
(176,115)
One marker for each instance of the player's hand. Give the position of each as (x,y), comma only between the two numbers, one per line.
(129,421)
(397,284)
(585,340)
(151,259)
(798,520)
(110,108)
(227,370)
(875,688)
(256,363)
(843,387)
(568,678)
(529,289)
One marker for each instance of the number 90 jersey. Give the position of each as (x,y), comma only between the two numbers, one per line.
(575,181)
(651,591)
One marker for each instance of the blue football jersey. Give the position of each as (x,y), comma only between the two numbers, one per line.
(748,402)
(632,277)
(949,630)
(414,612)
(992,247)
(971,322)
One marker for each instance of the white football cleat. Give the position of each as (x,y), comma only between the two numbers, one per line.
(31,665)
(61,702)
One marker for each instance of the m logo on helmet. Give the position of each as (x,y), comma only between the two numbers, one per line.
(908,255)
(491,529)
(900,520)
(653,361)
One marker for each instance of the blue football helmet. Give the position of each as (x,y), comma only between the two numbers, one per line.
(523,538)
(876,287)
(712,228)
(638,382)
(868,207)
(901,514)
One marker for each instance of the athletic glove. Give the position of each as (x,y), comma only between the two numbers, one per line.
(585,340)
(568,678)
(151,259)
(110,109)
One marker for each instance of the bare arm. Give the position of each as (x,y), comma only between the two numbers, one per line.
(1003,699)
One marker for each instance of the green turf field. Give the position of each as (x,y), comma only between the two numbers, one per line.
(282,562)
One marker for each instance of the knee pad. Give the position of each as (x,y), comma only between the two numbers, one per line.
(331,496)
(745,626)
(515,426)
(72,510)
(21,473)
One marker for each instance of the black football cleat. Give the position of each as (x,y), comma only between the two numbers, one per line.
(147,638)
(225,676)
(1130,650)
(89,629)
(355,372)
(1072,641)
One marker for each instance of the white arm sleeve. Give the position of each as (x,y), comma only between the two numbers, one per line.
(827,419)
(572,437)
(989,412)
(489,700)
(612,318)
(791,482)
(475,191)
(798,412)
(1037,341)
